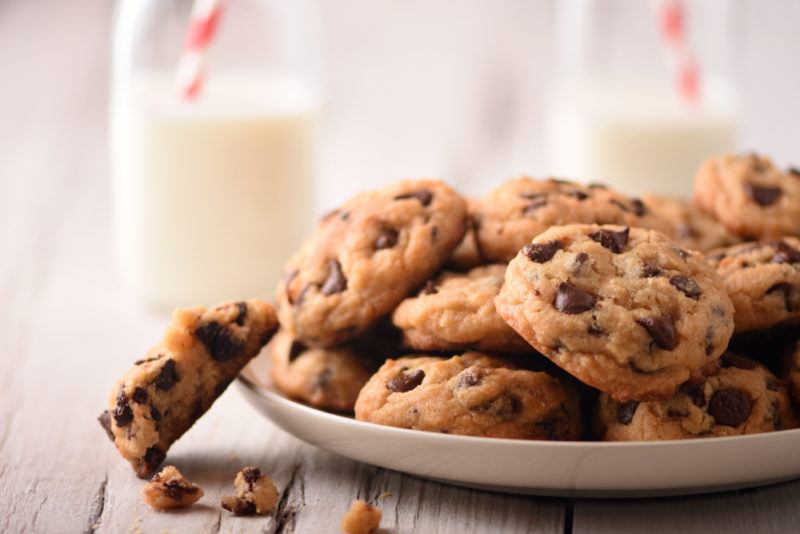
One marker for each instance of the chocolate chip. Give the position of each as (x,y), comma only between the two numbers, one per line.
(730,406)
(424,196)
(430,288)
(296,350)
(686,285)
(251,475)
(785,253)
(406,380)
(613,241)
(534,206)
(795,171)
(155,414)
(732,360)
(386,239)
(105,421)
(577,194)
(556,424)
(468,378)
(123,414)
(651,271)
(694,390)
(238,506)
(218,341)
(594,330)
(626,410)
(177,490)
(336,281)
(573,300)
(638,207)
(167,377)
(507,406)
(786,290)
(773,384)
(541,252)
(761,194)
(153,457)
(139,395)
(242,316)
(661,329)
(322,380)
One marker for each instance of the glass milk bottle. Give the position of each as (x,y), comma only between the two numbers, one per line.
(642,93)
(213,161)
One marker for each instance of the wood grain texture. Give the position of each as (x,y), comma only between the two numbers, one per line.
(67,330)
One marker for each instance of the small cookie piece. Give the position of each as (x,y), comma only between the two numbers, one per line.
(763,281)
(169,489)
(162,396)
(361,518)
(625,310)
(324,378)
(749,195)
(473,394)
(456,312)
(693,228)
(520,209)
(255,494)
(365,257)
(741,398)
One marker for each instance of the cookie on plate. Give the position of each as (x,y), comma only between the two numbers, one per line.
(749,195)
(625,310)
(324,378)
(763,281)
(693,228)
(791,371)
(455,312)
(162,396)
(743,397)
(520,209)
(473,394)
(366,257)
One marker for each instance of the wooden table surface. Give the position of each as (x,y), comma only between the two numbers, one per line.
(67,331)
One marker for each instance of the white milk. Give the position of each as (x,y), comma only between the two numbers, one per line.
(211,197)
(639,139)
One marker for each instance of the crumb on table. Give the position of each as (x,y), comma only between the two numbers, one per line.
(362,518)
(255,493)
(169,489)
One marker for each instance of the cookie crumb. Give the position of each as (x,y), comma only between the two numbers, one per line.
(255,493)
(362,518)
(169,489)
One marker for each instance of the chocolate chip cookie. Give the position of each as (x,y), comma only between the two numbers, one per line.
(324,378)
(693,228)
(456,312)
(791,371)
(625,310)
(763,281)
(162,396)
(520,209)
(366,257)
(741,398)
(749,195)
(472,394)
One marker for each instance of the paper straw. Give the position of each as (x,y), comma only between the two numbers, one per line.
(680,59)
(191,72)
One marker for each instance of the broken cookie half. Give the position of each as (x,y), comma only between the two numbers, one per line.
(162,396)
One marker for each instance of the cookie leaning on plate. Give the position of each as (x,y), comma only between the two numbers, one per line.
(741,398)
(749,195)
(625,310)
(473,394)
(520,209)
(763,281)
(456,312)
(365,257)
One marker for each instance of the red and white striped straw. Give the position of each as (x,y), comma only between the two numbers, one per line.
(191,72)
(680,59)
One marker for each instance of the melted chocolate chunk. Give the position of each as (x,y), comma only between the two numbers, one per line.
(694,390)
(534,206)
(386,239)
(218,341)
(661,329)
(651,271)
(123,414)
(785,253)
(638,207)
(732,360)
(507,406)
(139,395)
(155,414)
(577,194)
(541,252)
(761,194)
(468,378)
(687,286)
(424,196)
(242,316)
(152,459)
(430,288)
(166,377)
(105,421)
(626,411)
(296,350)
(177,490)
(238,506)
(251,475)
(406,380)
(730,406)
(612,240)
(336,281)
(572,300)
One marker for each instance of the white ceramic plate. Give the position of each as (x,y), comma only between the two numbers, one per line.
(579,469)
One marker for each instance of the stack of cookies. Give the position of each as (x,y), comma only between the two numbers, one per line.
(553,310)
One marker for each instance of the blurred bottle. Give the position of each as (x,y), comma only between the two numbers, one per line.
(211,195)
(619,112)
